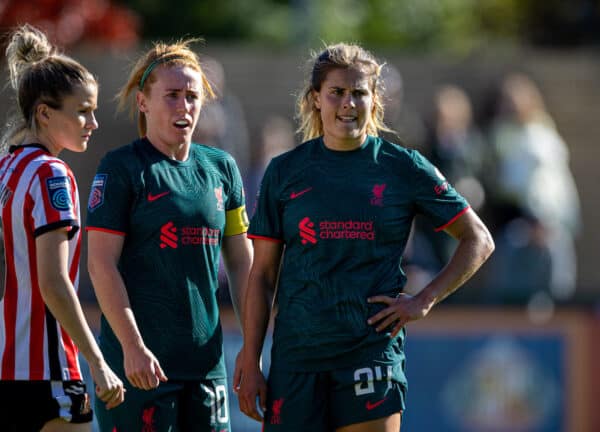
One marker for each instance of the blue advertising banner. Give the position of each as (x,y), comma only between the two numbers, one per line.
(492,382)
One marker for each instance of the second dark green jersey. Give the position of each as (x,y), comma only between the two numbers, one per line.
(172,215)
(344,218)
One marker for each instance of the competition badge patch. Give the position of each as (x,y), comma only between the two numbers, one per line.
(59,193)
(444,186)
(97,192)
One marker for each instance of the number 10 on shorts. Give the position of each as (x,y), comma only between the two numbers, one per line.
(218,403)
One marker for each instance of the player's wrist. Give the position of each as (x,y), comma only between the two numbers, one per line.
(95,361)
(133,343)
(249,356)
(427,298)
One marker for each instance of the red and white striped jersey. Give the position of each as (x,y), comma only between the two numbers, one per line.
(38,194)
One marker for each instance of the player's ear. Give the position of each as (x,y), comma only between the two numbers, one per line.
(42,114)
(140,99)
(316,99)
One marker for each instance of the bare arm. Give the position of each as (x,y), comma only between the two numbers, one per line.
(248,378)
(58,293)
(237,257)
(475,245)
(141,367)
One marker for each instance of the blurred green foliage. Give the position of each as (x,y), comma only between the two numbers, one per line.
(459,26)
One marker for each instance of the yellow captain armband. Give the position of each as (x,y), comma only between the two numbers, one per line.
(236,221)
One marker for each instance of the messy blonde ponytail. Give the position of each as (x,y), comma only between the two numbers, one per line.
(39,74)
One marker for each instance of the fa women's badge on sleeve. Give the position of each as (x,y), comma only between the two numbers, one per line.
(96,198)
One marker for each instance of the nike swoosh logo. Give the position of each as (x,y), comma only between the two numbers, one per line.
(371,406)
(157,196)
(295,195)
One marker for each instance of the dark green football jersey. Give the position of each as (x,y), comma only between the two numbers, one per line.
(344,218)
(173,217)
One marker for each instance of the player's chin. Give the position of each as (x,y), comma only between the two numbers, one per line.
(78,147)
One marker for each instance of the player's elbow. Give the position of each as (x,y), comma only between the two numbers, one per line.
(485,241)
(98,265)
(92,265)
(53,287)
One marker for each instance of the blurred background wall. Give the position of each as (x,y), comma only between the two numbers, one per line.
(532,313)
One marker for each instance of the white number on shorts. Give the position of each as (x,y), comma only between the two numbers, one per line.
(218,411)
(365,382)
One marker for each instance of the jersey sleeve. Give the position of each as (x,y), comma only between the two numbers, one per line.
(266,221)
(434,195)
(236,218)
(54,194)
(110,198)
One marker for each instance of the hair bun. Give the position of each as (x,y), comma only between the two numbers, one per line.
(27,46)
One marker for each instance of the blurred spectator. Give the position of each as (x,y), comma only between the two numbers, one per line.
(222,123)
(456,147)
(399,116)
(276,137)
(531,178)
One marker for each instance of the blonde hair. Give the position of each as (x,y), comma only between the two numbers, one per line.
(38,73)
(523,99)
(339,56)
(141,77)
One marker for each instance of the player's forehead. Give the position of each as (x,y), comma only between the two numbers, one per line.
(178,77)
(347,78)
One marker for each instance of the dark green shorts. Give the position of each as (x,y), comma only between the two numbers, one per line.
(175,406)
(324,401)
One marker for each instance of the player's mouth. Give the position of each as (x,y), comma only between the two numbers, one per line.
(347,118)
(182,123)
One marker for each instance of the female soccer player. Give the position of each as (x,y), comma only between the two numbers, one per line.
(43,326)
(161,210)
(341,207)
